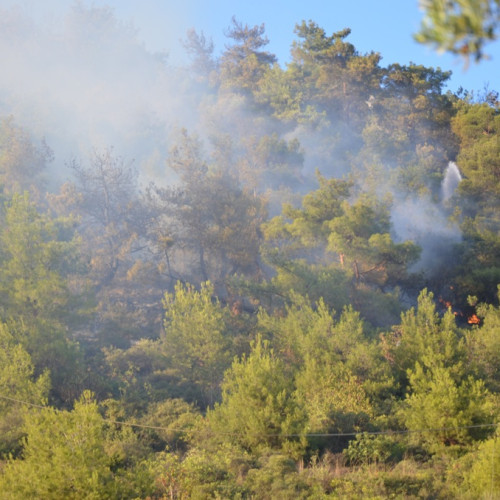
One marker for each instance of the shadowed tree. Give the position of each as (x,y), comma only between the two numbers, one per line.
(200,50)
(213,223)
(22,162)
(114,223)
(107,203)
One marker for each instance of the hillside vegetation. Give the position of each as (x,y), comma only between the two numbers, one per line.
(292,292)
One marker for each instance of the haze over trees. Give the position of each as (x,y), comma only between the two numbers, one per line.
(278,281)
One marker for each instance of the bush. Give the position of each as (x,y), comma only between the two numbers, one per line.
(371,448)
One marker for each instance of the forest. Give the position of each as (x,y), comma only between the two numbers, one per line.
(291,290)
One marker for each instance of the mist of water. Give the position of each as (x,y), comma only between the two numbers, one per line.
(452,178)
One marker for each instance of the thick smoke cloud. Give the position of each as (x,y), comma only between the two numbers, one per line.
(82,80)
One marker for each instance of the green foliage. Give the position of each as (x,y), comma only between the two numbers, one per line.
(181,420)
(351,237)
(195,342)
(17,382)
(424,336)
(360,236)
(442,394)
(215,473)
(477,126)
(310,225)
(188,360)
(38,254)
(461,27)
(140,374)
(405,480)
(270,162)
(301,332)
(318,282)
(66,455)
(335,77)
(258,408)
(368,449)
(333,398)
(279,90)
(174,419)
(482,480)
(306,332)
(276,477)
(483,346)
(168,475)
(477,273)
(446,406)
(408,134)
(329,358)
(39,259)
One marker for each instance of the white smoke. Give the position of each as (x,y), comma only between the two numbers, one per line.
(425,223)
(83,80)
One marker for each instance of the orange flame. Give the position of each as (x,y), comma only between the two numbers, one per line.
(448,305)
(473,320)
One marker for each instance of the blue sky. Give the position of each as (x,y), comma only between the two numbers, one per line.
(384,26)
